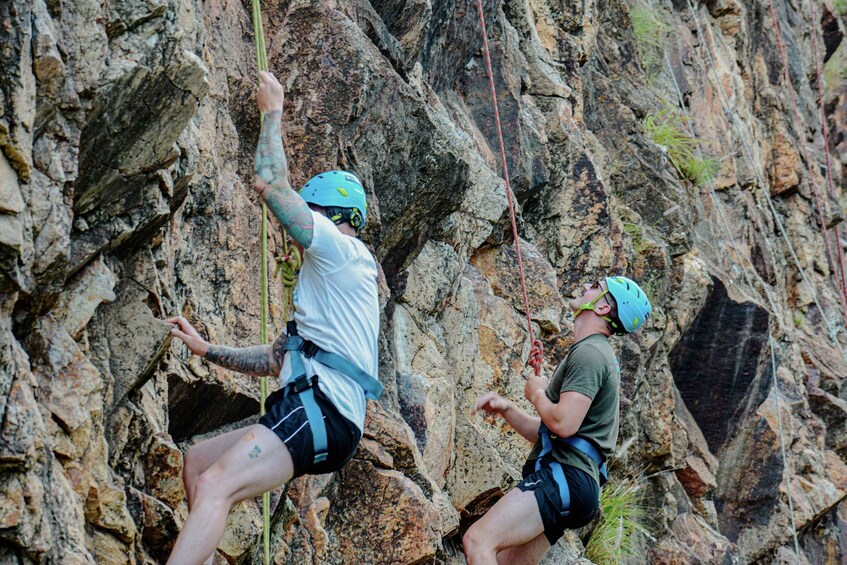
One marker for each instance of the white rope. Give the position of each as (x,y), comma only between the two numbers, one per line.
(748,155)
(745,271)
(713,191)
(785,473)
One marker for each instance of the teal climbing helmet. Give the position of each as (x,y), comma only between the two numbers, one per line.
(341,193)
(633,305)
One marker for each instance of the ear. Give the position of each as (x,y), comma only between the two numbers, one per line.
(602,309)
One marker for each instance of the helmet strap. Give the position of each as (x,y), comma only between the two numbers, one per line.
(590,305)
(351,216)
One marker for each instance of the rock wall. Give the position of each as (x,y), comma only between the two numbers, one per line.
(127,131)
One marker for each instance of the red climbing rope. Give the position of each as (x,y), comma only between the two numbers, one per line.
(836,266)
(537,353)
(825,132)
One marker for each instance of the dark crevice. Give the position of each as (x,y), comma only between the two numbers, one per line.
(717,360)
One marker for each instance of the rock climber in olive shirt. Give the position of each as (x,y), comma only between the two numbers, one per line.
(574,432)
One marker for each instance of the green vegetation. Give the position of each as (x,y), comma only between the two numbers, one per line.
(701,170)
(667,128)
(651,28)
(623,514)
(840,6)
(835,70)
(649,25)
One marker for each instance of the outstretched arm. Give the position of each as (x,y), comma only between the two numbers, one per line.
(272,166)
(524,424)
(259,360)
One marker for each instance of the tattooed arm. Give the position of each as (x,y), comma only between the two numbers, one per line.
(271,166)
(261,360)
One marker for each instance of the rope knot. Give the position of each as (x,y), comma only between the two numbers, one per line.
(536,356)
(287,266)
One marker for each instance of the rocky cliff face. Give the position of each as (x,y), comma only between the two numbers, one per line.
(127,131)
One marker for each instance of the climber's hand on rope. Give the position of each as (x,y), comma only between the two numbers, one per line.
(270,94)
(492,403)
(534,383)
(186,332)
(262,187)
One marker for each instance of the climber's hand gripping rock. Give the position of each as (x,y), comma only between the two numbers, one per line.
(186,332)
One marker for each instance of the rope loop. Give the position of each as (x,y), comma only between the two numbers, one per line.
(287,266)
(536,357)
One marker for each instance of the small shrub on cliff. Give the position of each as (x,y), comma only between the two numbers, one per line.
(667,129)
(650,28)
(623,513)
(835,71)
(701,170)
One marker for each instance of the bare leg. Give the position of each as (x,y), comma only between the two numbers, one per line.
(257,462)
(203,455)
(529,553)
(513,521)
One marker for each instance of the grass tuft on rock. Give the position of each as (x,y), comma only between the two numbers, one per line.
(650,27)
(667,128)
(623,515)
(835,71)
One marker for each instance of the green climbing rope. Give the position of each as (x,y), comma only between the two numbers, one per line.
(286,267)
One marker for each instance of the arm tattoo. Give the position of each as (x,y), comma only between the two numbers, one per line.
(272,167)
(260,360)
(293,213)
(271,163)
(278,352)
(248,360)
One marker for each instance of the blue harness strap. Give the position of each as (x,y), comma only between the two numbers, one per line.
(588,448)
(555,468)
(302,385)
(576,442)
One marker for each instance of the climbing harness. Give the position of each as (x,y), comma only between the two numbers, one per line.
(576,442)
(536,356)
(303,384)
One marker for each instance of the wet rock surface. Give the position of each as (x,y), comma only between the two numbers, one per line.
(126,138)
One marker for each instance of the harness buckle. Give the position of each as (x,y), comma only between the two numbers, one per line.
(309,349)
(301,383)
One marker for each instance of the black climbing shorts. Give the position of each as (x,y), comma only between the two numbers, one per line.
(286,417)
(585,498)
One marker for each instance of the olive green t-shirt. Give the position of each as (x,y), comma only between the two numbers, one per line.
(592,369)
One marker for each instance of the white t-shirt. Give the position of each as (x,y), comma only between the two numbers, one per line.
(336,306)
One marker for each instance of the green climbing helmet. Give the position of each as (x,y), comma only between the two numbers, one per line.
(633,305)
(341,193)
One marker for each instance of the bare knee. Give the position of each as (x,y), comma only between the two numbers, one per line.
(192,468)
(476,545)
(209,486)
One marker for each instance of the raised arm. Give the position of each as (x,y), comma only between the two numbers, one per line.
(271,166)
(259,360)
